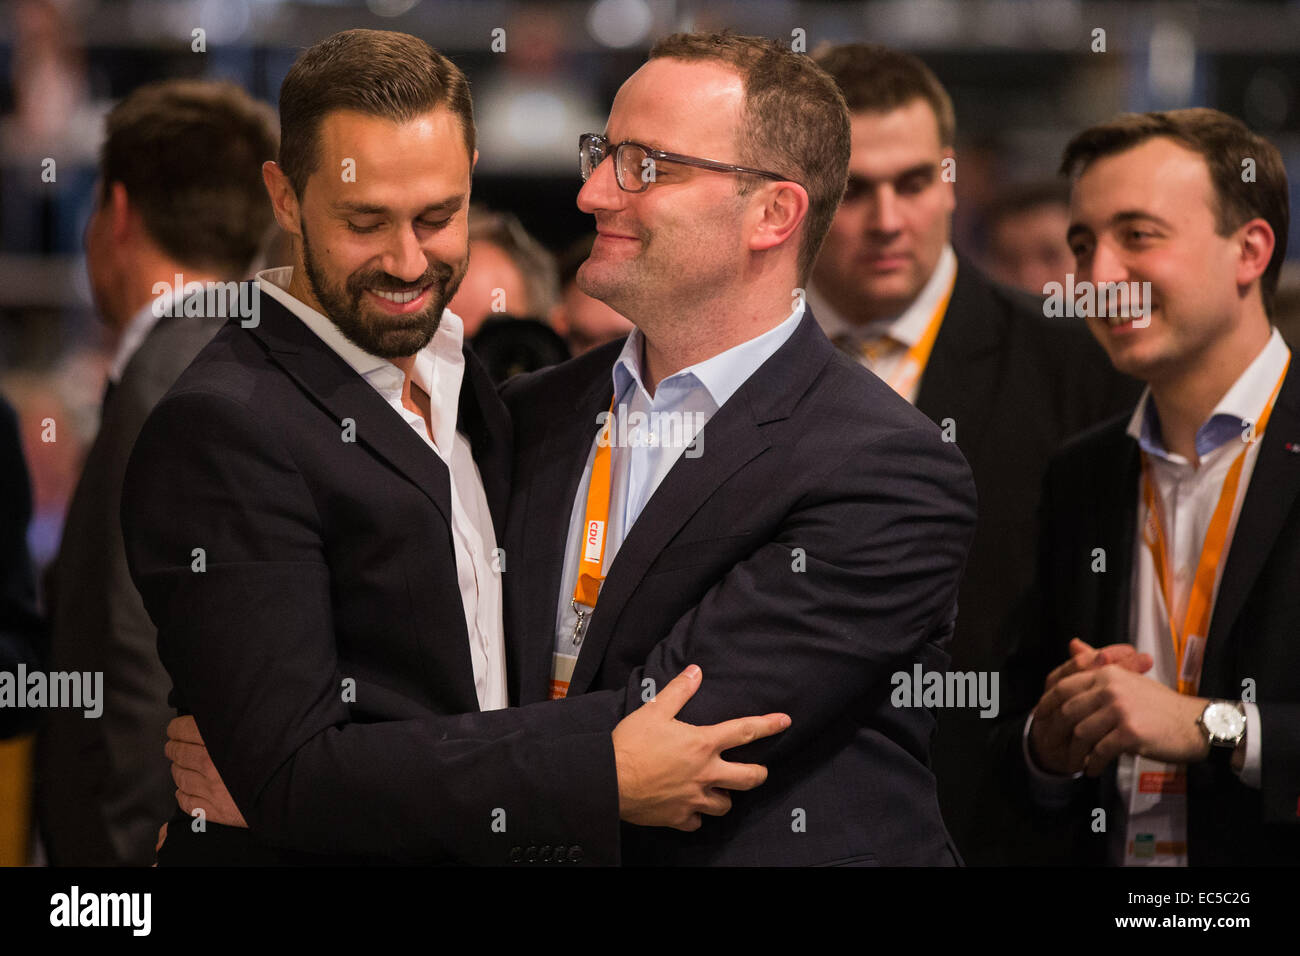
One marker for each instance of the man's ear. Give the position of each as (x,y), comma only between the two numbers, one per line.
(284,201)
(784,207)
(1255,244)
(119,211)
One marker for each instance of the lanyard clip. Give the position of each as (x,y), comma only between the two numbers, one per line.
(580,625)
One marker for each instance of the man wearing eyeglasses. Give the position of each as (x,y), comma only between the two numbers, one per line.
(724,487)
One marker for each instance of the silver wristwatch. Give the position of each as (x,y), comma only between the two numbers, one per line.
(1224,723)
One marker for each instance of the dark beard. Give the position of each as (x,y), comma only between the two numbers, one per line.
(389,337)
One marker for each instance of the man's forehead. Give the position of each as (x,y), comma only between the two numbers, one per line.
(913,122)
(886,143)
(375,159)
(1158,174)
(678,105)
(354,129)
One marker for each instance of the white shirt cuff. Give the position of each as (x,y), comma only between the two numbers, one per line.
(1249,774)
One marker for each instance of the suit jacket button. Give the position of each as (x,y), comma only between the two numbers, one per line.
(575,854)
(546,853)
(531,856)
(516,854)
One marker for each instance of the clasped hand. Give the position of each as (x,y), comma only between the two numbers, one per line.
(1098,705)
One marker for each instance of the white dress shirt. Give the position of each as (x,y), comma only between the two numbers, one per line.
(647,436)
(1188,494)
(905,329)
(439,368)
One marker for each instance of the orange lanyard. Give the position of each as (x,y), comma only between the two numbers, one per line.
(591,565)
(1196,621)
(913,363)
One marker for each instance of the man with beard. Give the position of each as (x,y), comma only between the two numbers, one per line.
(311,512)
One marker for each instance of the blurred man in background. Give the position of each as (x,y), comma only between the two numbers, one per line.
(180,194)
(510,272)
(1026,227)
(1005,383)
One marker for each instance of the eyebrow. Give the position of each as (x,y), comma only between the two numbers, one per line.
(374,209)
(1120,218)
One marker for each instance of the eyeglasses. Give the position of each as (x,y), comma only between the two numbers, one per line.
(634,164)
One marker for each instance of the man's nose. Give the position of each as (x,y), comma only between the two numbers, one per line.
(884,214)
(601,191)
(1106,264)
(404,258)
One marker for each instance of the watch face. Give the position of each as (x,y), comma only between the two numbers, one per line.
(1224,721)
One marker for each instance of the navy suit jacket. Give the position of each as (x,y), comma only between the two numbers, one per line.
(811,550)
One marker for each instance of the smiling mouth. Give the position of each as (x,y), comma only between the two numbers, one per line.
(400,298)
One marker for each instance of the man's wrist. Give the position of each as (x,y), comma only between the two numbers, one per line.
(1222,726)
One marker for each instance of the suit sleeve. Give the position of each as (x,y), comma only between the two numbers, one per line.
(860,582)
(1280,761)
(225,544)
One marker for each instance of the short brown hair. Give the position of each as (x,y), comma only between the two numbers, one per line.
(1224,142)
(190,155)
(877,79)
(377,72)
(793,121)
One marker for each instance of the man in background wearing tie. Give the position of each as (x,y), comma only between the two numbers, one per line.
(1005,383)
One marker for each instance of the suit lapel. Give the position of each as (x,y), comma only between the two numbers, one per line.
(1272,493)
(961,378)
(732,438)
(336,387)
(483,419)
